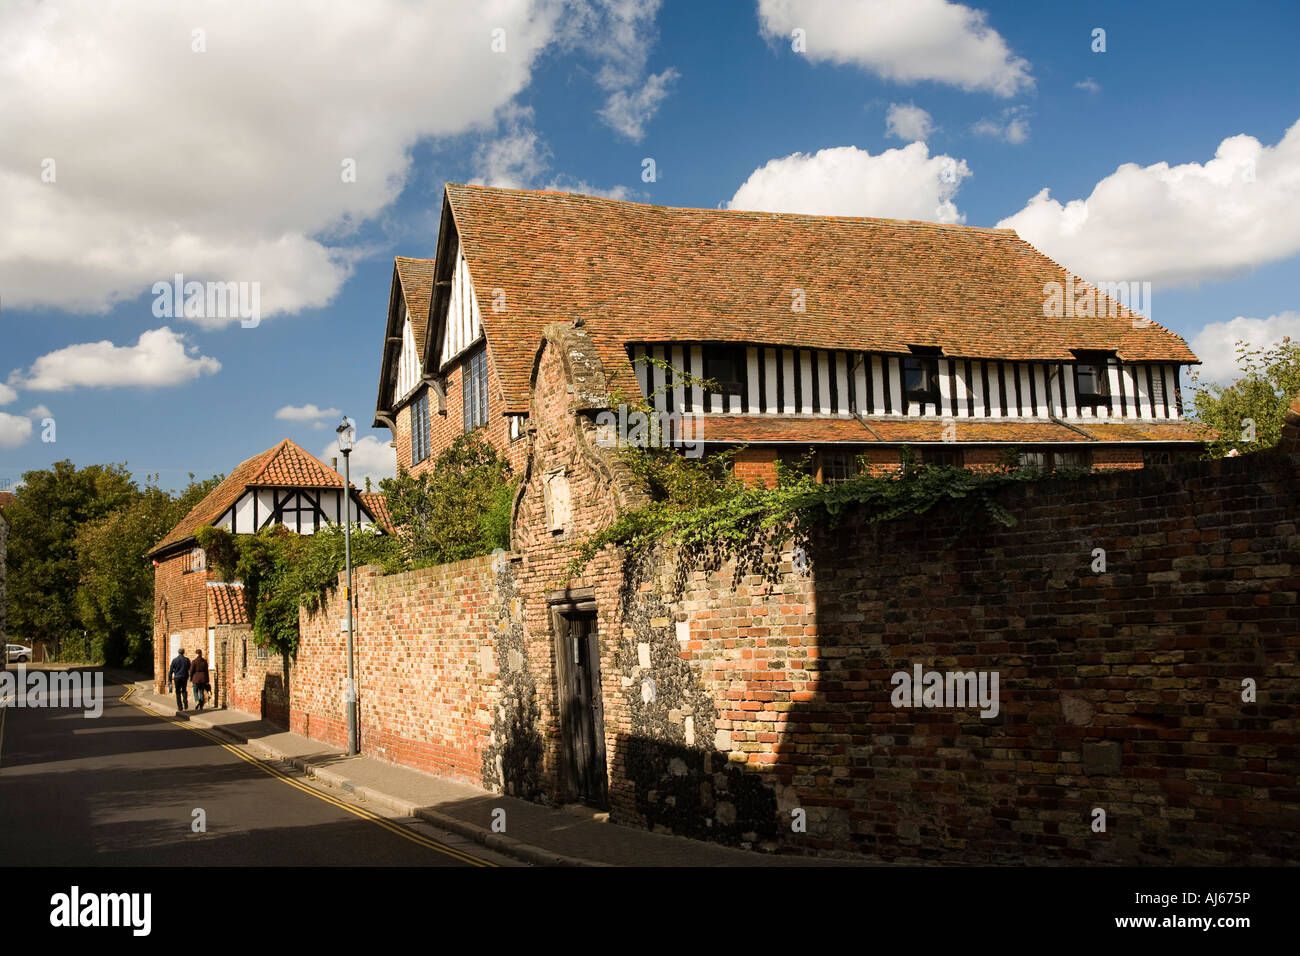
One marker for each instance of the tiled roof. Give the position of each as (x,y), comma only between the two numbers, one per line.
(377,505)
(226,604)
(284,466)
(1148,431)
(643,273)
(766,429)
(416,277)
(758,429)
(963,431)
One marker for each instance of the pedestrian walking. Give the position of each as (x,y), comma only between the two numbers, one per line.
(177,675)
(199,677)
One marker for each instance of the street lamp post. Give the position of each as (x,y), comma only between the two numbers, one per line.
(347,432)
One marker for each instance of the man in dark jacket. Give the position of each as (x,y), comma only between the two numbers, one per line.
(178,675)
(199,678)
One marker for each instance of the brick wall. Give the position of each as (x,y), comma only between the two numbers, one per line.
(1119,690)
(256,685)
(1112,459)
(428,651)
(599,486)
(756,466)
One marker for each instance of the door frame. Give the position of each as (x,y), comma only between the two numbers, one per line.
(564,607)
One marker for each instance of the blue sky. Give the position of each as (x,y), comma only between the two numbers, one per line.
(217,153)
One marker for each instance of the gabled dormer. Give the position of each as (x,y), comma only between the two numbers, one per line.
(402,366)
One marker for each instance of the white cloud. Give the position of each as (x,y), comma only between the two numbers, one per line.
(371,458)
(306,413)
(160,357)
(1088,84)
(905,183)
(39,412)
(908,122)
(628,112)
(1012,125)
(14,430)
(7,394)
(1216,343)
(227,164)
(902,40)
(515,159)
(1177,225)
(619,35)
(520,159)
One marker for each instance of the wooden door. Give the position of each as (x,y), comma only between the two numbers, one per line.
(581,711)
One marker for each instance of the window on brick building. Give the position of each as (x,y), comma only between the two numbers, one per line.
(262,653)
(942,457)
(474,389)
(196,560)
(837,466)
(1054,459)
(420,428)
(1165,456)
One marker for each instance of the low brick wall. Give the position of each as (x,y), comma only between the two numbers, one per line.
(426,657)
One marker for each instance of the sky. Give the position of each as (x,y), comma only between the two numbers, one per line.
(294,148)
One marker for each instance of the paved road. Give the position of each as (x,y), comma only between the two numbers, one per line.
(121,790)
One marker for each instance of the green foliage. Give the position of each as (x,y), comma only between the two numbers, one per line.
(686,482)
(459,509)
(740,518)
(282,571)
(1269,380)
(51,505)
(79,577)
(115,592)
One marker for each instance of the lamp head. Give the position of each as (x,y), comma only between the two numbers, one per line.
(347,432)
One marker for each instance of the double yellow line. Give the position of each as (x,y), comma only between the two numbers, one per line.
(404,832)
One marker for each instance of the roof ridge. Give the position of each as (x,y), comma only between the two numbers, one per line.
(923,223)
(271,454)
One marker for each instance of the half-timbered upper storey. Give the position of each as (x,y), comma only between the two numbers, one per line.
(790,328)
(283,485)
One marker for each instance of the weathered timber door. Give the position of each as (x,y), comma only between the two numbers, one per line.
(581,712)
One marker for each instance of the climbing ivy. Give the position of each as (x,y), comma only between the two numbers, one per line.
(700,508)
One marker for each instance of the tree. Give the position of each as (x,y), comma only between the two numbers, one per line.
(115,592)
(1249,413)
(460,509)
(50,507)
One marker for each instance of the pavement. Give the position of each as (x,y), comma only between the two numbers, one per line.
(536,834)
